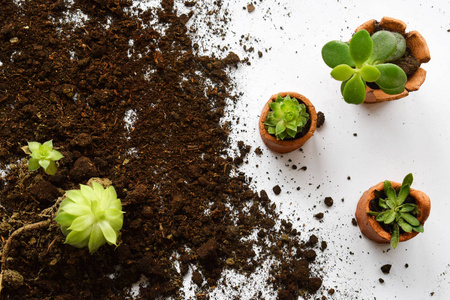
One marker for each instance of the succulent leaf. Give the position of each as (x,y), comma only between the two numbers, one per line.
(400,49)
(360,47)
(91,216)
(354,90)
(384,45)
(370,73)
(335,53)
(286,118)
(395,238)
(392,76)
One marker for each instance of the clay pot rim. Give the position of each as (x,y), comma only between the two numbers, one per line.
(283,146)
(376,225)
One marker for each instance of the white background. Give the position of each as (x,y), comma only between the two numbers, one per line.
(393,139)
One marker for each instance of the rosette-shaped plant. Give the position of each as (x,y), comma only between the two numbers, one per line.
(43,155)
(364,60)
(286,117)
(90,216)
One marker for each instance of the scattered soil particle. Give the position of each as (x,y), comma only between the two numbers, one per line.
(250,7)
(304,168)
(381,280)
(354,222)
(318,216)
(386,268)
(320,119)
(276,189)
(258,151)
(406,266)
(328,201)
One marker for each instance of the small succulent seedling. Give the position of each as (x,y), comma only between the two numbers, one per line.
(42,155)
(90,216)
(286,117)
(363,60)
(397,213)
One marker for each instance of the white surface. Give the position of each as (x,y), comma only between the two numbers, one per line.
(393,139)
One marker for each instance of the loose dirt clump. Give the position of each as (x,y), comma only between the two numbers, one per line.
(124,95)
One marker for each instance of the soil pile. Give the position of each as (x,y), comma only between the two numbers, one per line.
(125,96)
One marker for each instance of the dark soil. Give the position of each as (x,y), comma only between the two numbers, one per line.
(73,84)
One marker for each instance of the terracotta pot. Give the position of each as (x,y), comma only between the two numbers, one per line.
(419,49)
(287,146)
(372,229)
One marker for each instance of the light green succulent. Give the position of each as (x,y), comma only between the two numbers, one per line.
(286,117)
(90,216)
(365,59)
(43,155)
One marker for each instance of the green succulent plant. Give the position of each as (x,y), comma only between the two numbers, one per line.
(42,155)
(364,59)
(90,216)
(286,117)
(397,213)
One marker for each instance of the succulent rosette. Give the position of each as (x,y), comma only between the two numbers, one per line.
(43,155)
(90,216)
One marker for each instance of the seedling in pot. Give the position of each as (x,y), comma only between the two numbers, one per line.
(364,59)
(90,216)
(42,155)
(395,212)
(286,118)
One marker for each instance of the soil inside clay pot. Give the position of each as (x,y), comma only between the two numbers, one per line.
(124,95)
(373,206)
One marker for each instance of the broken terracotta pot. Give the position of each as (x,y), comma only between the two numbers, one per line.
(372,229)
(419,49)
(285,146)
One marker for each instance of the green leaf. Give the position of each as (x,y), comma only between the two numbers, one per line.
(96,239)
(390,217)
(401,47)
(114,218)
(391,203)
(393,91)
(48,145)
(384,45)
(391,194)
(336,53)
(372,213)
(33,146)
(408,180)
(77,197)
(386,186)
(108,232)
(370,73)
(76,237)
(64,219)
(407,207)
(404,192)
(418,228)
(342,72)
(395,238)
(382,203)
(44,163)
(33,164)
(360,47)
(382,216)
(405,226)
(410,219)
(82,222)
(55,155)
(392,76)
(76,209)
(354,90)
(51,169)
(280,127)
(88,192)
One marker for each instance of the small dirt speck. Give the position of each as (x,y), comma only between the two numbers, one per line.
(386,268)
(276,189)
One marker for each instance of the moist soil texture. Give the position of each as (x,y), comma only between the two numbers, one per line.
(123,101)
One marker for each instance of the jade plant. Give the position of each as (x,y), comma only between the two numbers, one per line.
(42,155)
(395,212)
(286,117)
(365,59)
(90,216)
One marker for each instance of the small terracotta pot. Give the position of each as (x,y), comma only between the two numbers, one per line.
(372,229)
(419,49)
(287,146)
